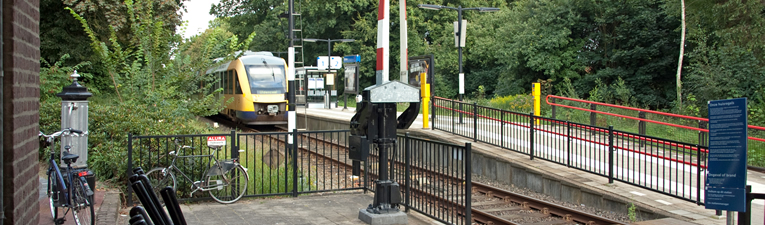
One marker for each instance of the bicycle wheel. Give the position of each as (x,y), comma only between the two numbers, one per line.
(82,205)
(228,192)
(160,178)
(52,195)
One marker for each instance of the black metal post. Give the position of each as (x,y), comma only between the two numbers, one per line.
(593,119)
(552,100)
(129,168)
(453,111)
(366,175)
(345,102)
(432,114)
(407,172)
(475,122)
(2,113)
(611,154)
(459,49)
(698,175)
(744,218)
(702,136)
(531,136)
(641,128)
(468,182)
(291,104)
(329,65)
(385,188)
(234,146)
(568,143)
(502,129)
(294,163)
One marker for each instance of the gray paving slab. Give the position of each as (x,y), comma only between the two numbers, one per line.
(332,208)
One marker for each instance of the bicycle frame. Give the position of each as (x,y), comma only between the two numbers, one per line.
(62,192)
(53,168)
(205,187)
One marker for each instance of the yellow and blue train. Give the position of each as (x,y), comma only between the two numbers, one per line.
(257,83)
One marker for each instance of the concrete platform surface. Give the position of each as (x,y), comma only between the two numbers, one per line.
(330,208)
(488,159)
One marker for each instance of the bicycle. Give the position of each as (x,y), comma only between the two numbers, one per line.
(222,179)
(70,189)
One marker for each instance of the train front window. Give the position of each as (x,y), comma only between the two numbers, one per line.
(266,79)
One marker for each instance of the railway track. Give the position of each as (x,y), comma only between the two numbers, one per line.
(490,205)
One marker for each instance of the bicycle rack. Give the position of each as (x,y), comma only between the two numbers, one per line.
(152,213)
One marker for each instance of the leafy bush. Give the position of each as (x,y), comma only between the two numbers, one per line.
(154,90)
(522,103)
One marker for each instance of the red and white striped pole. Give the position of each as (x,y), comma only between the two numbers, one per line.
(383,45)
(404,75)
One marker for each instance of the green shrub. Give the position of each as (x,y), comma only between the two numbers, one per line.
(522,103)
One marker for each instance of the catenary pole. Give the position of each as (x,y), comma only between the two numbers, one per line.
(291,117)
(404,75)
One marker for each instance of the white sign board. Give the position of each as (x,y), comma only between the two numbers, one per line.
(330,78)
(216,141)
(315,83)
(335,62)
(463,33)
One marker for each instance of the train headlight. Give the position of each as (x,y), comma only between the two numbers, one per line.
(273,109)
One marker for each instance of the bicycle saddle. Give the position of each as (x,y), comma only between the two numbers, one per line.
(69,157)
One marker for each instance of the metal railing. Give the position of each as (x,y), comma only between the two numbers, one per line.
(674,126)
(435,177)
(666,166)
(270,163)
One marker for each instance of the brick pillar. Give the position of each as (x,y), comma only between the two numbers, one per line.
(21,97)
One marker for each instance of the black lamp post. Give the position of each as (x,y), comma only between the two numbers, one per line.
(459,10)
(329,50)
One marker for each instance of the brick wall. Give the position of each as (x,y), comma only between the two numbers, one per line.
(21,95)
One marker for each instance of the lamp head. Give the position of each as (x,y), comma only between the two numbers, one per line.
(487,9)
(431,7)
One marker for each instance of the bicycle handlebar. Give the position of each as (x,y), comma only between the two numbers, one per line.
(66,131)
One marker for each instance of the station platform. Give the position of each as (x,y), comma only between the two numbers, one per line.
(593,190)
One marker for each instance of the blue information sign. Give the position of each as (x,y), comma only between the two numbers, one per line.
(726,178)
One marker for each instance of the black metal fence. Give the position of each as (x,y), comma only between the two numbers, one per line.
(270,163)
(435,177)
(669,167)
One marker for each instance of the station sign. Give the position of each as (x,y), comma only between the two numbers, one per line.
(216,141)
(727,159)
(335,62)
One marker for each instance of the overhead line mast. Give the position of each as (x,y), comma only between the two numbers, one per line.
(291,117)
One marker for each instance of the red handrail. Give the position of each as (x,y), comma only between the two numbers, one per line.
(586,127)
(547,99)
(590,141)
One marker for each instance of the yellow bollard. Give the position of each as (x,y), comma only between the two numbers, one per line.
(536,93)
(425,94)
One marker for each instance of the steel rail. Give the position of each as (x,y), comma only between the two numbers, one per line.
(554,209)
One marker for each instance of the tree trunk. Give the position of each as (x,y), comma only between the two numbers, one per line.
(680,62)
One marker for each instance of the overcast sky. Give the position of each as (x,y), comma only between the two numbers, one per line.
(198,16)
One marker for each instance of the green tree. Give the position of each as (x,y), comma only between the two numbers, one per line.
(584,40)
(61,34)
(161,92)
(726,60)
